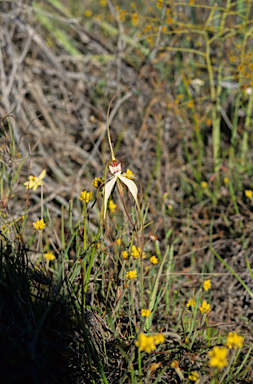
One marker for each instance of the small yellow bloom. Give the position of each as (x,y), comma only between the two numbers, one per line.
(218,357)
(49,256)
(97,182)
(145,343)
(194,376)
(135,252)
(249,193)
(204,307)
(145,312)
(112,206)
(204,184)
(130,173)
(39,224)
(159,338)
(34,182)
(131,274)
(153,260)
(226,180)
(124,254)
(118,241)
(85,196)
(234,341)
(88,13)
(191,303)
(207,285)
(134,22)
(174,364)
(103,3)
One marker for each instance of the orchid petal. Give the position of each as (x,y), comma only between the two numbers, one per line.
(42,175)
(131,186)
(108,190)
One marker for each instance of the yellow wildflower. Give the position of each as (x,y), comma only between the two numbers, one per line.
(191,303)
(153,260)
(135,252)
(131,274)
(249,193)
(145,343)
(85,196)
(226,180)
(49,256)
(34,182)
(88,13)
(97,182)
(218,357)
(103,3)
(194,376)
(159,338)
(130,173)
(118,241)
(234,341)
(124,254)
(207,285)
(204,307)
(112,206)
(134,22)
(204,184)
(145,312)
(39,224)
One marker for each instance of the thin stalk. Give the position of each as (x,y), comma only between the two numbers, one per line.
(238,97)
(246,130)
(107,123)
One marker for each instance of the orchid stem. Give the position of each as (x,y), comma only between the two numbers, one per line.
(107,122)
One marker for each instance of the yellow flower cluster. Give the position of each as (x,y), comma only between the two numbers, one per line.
(145,312)
(97,182)
(39,224)
(124,254)
(218,357)
(207,285)
(194,376)
(148,343)
(234,341)
(49,256)
(191,303)
(131,275)
(112,206)
(85,196)
(136,252)
(153,260)
(249,193)
(130,173)
(204,185)
(204,307)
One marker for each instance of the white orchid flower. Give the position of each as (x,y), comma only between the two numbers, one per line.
(117,177)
